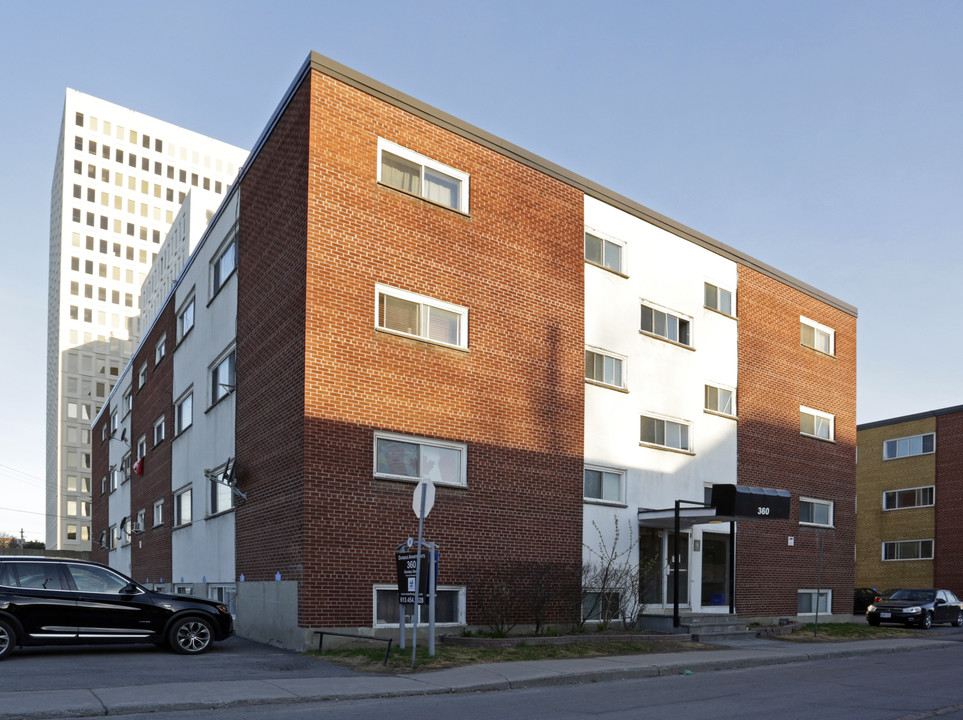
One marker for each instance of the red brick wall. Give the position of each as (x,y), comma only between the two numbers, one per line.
(947,566)
(777,375)
(150,555)
(515,397)
(99,467)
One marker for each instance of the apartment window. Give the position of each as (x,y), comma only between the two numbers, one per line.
(141,448)
(78,142)
(449,606)
(719,299)
(223,265)
(182,507)
(128,402)
(184,413)
(160,349)
(405,457)
(79,119)
(142,376)
(222,497)
(665,433)
(185,319)
(603,253)
(812,601)
(603,368)
(598,606)
(908,550)
(421,317)
(815,512)
(222,377)
(908,498)
(603,484)
(160,430)
(816,424)
(720,400)
(114,422)
(816,336)
(224,594)
(158,513)
(665,325)
(413,173)
(909,446)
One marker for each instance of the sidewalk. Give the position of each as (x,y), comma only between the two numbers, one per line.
(95,701)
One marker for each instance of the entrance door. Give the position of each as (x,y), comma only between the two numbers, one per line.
(656,548)
(715,570)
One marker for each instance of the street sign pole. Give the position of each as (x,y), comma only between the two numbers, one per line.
(423,486)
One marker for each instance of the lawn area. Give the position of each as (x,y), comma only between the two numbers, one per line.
(446,656)
(842,632)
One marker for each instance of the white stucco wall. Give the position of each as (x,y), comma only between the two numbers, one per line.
(661,378)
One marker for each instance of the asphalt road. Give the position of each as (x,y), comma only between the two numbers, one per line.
(894,686)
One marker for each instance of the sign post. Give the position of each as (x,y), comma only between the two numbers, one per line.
(422,502)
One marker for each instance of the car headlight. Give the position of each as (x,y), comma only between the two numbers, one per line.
(871,608)
(223,609)
(915,610)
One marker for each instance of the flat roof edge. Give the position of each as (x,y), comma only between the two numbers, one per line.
(351,77)
(909,418)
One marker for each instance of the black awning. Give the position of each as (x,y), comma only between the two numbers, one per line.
(738,502)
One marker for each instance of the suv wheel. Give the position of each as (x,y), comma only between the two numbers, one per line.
(190,635)
(8,639)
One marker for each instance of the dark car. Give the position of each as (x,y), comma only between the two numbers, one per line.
(54,601)
(917,606)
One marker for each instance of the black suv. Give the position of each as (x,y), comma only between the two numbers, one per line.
(55,601)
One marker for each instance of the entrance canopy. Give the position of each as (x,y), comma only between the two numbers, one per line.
(730,503)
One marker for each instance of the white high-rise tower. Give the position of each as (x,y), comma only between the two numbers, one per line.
(119,181)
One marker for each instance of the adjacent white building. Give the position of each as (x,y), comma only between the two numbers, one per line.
(119,180)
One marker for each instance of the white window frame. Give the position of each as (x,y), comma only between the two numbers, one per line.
(684,447)
(220,492)
(898,492)
(223,265)
(141,447)
(605,356)
(907,442)
(460,589)
(723,388)
(898,543)
(225,363)
(179,496)
(114,422)
(426,164)
(712,295)
(186,400)
(605,243)
(671,318)
(142,376)
(422,442)
(225,594)
(160,430)
(426,304)
(817,416)
(128,401)
(816,501)
(619,472)
(818,328)
(186,317)
(158,517)
(160,349)
(816,594)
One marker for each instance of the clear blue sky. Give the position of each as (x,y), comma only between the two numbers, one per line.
(823,138)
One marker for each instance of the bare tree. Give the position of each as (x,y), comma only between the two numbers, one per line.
(611,587)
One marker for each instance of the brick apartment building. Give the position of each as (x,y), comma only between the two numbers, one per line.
(909,482)
(390,293)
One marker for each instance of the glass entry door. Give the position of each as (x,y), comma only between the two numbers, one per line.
(656,548)
(715,569)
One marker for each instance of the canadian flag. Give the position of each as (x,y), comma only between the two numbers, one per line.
(139,467)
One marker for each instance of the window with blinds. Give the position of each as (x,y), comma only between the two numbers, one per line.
(421,317)
(416,174)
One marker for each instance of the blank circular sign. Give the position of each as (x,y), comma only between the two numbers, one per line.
(427,487)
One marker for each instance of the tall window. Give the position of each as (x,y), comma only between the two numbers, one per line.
(421,317)
(908,550)
(603,484)
(719,299)
(411,458)
(815,512)
(908,498)
(665,433)
(182,507)
(185,319)
(160,429)
(604,253)
(603,368)
(413,173)
(222,497)
(816,424)
(909,446)
(816,336)
(222,377)
(665,325)
(184,413)
(223,265)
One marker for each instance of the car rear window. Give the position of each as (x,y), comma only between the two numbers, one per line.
(30,575)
